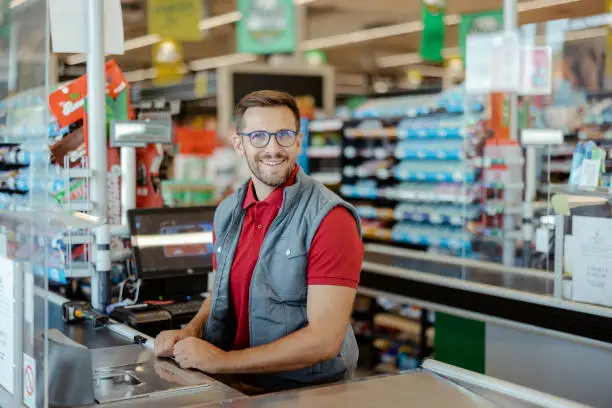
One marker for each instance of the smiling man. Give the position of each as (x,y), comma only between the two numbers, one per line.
(288,256)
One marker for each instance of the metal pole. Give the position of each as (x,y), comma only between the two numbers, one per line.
(301,30)
(509,251)
(97,149)
(559,243)
(530,193)
(128,182)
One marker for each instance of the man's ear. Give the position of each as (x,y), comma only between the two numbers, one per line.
(298,141)
(238,144)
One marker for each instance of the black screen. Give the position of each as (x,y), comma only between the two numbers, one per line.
(173,241)
(296,85)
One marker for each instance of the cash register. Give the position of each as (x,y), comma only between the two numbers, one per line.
(173,250)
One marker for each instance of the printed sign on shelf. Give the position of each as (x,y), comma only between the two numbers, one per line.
(178,19)
(29,381)
(266,26)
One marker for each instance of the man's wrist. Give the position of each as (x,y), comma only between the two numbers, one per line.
(193,330)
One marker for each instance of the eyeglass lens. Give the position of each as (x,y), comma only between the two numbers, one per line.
(285,138)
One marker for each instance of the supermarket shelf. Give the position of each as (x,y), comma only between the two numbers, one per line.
(61,275)
(369,212)
(409,131)
(558,167)
(434,176)
(61,219)
(434,218)
(325,125)
(446,243)
(323,152)
(428,154)
(428,196)
(601,192)
(384,234)
(354,133)
(327,178)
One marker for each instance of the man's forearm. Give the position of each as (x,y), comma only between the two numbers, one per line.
(196,326)
(298,350)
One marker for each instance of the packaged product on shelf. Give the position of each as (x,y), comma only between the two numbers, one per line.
(75,191)
(72,147)
(588,165)
(68,102)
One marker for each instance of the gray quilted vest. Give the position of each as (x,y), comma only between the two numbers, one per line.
(278,287)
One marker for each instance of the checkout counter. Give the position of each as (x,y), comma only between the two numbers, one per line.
(126,374)
(531,336)
(113,365)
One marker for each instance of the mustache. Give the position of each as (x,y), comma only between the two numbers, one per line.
(268,156)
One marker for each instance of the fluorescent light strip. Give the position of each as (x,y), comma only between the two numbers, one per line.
(129,45)
(146,74)
(410,58)
(220,20)
(409,28)
(222,61)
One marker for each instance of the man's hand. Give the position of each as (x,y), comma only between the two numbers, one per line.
(165,341)
(201,355)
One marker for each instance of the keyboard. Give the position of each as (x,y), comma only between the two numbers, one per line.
(182,308)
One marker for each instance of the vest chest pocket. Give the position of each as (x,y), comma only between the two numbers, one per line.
(287,269)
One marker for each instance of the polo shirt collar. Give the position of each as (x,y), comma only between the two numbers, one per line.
(275,198)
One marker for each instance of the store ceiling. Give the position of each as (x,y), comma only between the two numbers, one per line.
(332,18)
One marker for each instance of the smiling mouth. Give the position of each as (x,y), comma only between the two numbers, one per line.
(272,163)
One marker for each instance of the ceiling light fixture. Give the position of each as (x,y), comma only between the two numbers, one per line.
(222,61)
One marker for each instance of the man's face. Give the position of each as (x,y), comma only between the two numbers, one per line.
(272,164)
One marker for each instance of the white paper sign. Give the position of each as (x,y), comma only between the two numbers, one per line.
(7,326)
(29,381)
(69,26)
(593,265)
(492,63)
(536,70)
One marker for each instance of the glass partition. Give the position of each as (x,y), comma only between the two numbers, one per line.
(37,246)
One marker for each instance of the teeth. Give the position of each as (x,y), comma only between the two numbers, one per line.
(272,163)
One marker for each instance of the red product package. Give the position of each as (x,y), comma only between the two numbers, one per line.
(68,102)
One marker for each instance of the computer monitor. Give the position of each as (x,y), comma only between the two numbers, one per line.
(170,244)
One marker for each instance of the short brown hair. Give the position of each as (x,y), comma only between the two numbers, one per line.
(266,98)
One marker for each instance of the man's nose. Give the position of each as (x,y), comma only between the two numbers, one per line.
(273,145)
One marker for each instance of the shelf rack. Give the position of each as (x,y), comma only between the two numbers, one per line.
(414,178)
(323,149)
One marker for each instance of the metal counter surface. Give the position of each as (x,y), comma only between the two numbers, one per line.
(129,375)
(414,389)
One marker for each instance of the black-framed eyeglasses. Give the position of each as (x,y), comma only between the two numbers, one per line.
(261,138)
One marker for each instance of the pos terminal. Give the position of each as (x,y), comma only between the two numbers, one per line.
(173,250)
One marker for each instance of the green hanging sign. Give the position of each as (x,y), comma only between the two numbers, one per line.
(432,38)
(485,22)
(266,26)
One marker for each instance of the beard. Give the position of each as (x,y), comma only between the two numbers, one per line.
(273,170)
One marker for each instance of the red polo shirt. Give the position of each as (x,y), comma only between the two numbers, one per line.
(334,257)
